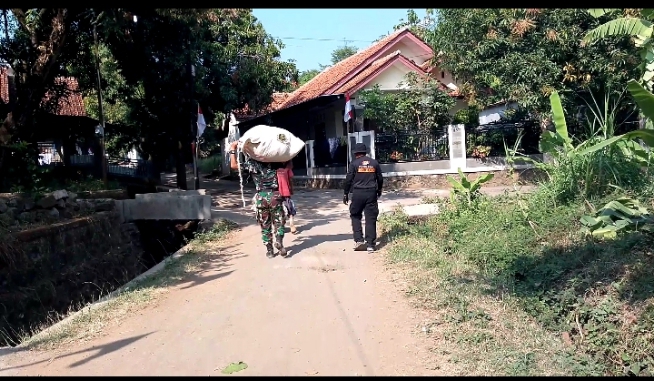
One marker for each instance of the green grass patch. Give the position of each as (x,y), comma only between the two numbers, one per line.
(209,164)
(558,302)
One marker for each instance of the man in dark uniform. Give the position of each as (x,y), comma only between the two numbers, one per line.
(364,179)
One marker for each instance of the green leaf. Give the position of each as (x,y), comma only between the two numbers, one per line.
(646,136)
(590,222)
(234,367)
(620,27)
(643,98)
(599,12)
(455,184)
(559,117)
(608,232)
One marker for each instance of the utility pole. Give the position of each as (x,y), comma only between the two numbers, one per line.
(101,111)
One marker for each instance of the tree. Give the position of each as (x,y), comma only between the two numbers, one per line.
(146,68)
(523,55)
(423,106)
(307,75)
(341,53)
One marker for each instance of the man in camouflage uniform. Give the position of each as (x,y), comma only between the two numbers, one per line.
(269,203)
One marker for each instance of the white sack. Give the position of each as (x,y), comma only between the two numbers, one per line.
(270,144)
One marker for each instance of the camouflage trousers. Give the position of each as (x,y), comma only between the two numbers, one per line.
(270,215)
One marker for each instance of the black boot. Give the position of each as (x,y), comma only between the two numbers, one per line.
(280,247)
(270,253)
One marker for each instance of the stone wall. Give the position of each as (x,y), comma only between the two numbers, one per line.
(48,269)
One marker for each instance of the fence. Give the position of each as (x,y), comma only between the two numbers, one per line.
(412,146)
(489,140)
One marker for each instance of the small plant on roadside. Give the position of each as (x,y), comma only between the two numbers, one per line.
(465,189)
(622,215)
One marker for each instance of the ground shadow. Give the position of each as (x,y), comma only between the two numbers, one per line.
(302,243)
(567,274)
(101,351)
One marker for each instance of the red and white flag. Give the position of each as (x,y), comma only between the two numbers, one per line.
(348,109)
(201,123)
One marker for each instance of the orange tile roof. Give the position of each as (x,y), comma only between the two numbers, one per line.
(245,113)
(319,84)
(367,72)
(70,105)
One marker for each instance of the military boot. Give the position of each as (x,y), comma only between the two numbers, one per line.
(280,247)
(270,253)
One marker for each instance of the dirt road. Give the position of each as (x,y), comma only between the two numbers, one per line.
(325,311)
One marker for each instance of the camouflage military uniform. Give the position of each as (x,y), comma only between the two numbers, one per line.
(270,211)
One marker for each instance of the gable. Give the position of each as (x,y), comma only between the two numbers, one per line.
(332,79)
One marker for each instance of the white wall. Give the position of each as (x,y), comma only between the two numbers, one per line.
(495,113)
(447,79)
(389,78)
(410,51)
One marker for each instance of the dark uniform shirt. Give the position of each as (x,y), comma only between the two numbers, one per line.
(364,173)
(263,175)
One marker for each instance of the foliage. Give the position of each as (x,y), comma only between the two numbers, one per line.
(593,167)
(523,55)
(464,188)
(638,28)
(525,252)
(417,26)
(621,215)
(342,52)
(307,75)
(422,106)
(145,68)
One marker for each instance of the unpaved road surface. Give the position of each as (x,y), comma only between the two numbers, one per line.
(325,311)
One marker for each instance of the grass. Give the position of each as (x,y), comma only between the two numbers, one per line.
(515,289)
(209,164)
(91,322)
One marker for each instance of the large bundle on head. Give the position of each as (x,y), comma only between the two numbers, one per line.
(270,144)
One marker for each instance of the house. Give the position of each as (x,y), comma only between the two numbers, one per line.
(57,129)
(314,112)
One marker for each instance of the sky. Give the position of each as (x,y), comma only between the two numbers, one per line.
(310,35)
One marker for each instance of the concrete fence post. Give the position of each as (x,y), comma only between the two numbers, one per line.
(457,142)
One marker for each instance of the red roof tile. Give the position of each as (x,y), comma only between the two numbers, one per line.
(245,113)
(319,84)
(360,79)
(70,105)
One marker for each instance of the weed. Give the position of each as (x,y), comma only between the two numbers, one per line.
(526,257)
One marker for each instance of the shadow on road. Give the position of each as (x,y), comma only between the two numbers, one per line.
(307,242)
(101,351)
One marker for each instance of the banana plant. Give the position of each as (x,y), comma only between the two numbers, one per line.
(464,188)
(618,216)
(645,101)
(640,29)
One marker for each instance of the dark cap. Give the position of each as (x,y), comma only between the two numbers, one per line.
(360,148)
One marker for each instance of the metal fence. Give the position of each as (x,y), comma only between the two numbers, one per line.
(408,146)
(489,140)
